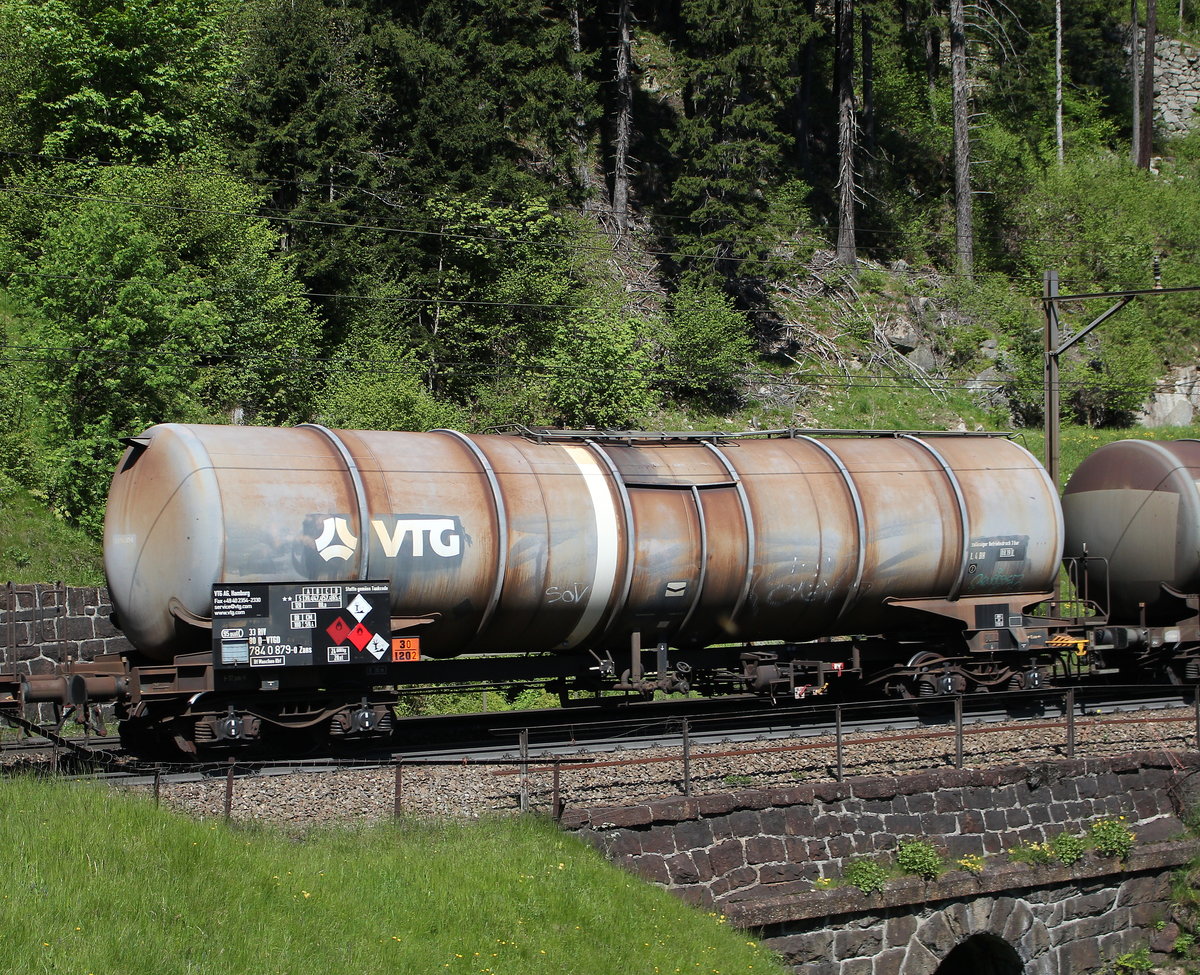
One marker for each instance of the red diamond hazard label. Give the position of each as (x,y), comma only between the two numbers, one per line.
(338,630)
(360,636)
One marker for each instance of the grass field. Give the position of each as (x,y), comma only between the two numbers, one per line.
(35,546)
(100,883)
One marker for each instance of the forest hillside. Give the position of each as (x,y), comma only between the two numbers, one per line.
(632,213)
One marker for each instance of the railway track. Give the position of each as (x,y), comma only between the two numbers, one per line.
(513,743)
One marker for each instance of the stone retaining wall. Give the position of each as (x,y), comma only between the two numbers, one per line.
(43,624)
(756,855)
(717,849)
(1176,85)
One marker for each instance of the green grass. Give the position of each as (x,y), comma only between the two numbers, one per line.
(35,546)
(100,883)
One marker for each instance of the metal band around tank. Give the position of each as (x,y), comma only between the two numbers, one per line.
(751,540)
(604,573)
(501,524)
(860,521)
(360,494)
(962,513)
(627,511)
(703,560)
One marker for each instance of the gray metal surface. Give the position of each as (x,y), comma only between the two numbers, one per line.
(514,544)
(1135,504)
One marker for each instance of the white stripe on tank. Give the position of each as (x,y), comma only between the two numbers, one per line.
(607,544)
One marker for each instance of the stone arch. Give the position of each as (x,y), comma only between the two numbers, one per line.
(982,954)
(1011,921)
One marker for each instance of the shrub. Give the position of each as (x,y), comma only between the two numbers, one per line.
(920,858)
(1067,849)
(1031,853)
(705,345)
(867,875)
(1111,837)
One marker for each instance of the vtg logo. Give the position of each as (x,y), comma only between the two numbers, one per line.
(440,536)
(346,542)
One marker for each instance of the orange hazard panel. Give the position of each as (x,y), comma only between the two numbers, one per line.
(406,649)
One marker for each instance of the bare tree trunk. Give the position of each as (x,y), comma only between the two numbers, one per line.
(962,142)
(803,129)
(1135,62)
(933,59)
(868,81)
(1058,81)
(847,132)
(1146,139)
(579,137)
(620,197)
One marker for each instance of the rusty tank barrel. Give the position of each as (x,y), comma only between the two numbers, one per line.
(554,542)
(1134,507)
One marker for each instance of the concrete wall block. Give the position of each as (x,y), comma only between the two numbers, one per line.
(921,804)
(785,873)
(765,849)
(623,842)
(798,821)
(857,942)
(961,846)
(888,962)
(693,835)
(1077,956)
(659,839)
(1142,890)
(40,665)
(78,628)
(899,929)
(903,825)
(20,635)
(1094,903)
(745,823)
(803,949)
(104,628)
(919,960)
(727,856)
(682,869)
(774,822)
(648,866)
(949,801)
(740,879)
(995,819)
(884,842)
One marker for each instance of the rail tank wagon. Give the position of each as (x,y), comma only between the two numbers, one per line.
(578,546)
(516,543)
(1132,514)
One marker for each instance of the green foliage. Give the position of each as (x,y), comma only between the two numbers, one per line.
(1111,837)
(1067,849)
(867,875)
(920,858)
(134,81)
(209,896)
(597,372)
(35,546)
(705,345)
(1130,962)
(1035,854)
(159,301)
(374,387)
